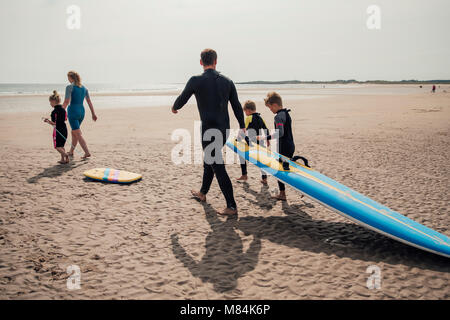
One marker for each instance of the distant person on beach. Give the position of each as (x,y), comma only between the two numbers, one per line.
(283,133)
(58,121)
(255,125)
(433,89)
(75,95)
(212,92)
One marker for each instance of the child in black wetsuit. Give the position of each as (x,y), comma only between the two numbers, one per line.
(283,126)
(255,126)
(58,121)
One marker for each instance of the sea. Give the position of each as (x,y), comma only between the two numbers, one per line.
(29,97)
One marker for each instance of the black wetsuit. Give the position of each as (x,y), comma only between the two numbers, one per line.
(286,146)
(212,92)
(255,126)
(58,116)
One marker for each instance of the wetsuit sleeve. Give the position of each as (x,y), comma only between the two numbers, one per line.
(280,121)
(183,98)
(52,116)
(248,120)
(264,127)
(68,92)
(236,105)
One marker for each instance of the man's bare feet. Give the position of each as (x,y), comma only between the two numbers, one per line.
(280,196)
(244,177)
(70,154)
(198,195)
(87,155)
(228,212)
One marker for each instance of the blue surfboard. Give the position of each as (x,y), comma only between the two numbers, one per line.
(343,200)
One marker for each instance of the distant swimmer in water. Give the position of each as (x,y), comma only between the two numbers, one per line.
(75,95)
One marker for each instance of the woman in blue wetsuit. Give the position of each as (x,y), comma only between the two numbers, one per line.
(75,95)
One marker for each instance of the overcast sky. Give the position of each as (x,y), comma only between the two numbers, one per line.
(159,41)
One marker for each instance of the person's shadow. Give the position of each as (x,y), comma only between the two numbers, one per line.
(224,261)
(263,199)
(299,230)
(54,171)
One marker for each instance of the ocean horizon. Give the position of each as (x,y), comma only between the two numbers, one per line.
(47,88)
(30,97)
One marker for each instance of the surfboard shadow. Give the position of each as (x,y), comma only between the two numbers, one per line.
(299,230)
(224,261)
(54,171)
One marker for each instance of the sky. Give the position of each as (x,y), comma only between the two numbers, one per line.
(159,41)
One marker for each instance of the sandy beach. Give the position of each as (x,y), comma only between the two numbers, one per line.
(151,240)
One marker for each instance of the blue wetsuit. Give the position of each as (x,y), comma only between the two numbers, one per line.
(75,111)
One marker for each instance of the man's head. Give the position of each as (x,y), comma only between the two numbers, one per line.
(274,102)
(208,59)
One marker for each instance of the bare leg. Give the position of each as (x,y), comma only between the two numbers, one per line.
(64,156)
(74,142)
(244,177)
(82,143)
(228,212)
(198,195)
(84,146)
(280,196)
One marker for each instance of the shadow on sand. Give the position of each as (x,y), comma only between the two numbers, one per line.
(54,171)
(298,230)
(225,260)
(264,199)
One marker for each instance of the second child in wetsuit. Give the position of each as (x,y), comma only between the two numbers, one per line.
(255,126)
(58,121)
(283,133)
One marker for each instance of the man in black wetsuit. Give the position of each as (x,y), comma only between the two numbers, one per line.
(212,92)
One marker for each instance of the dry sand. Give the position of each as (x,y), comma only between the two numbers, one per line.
(150,240)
